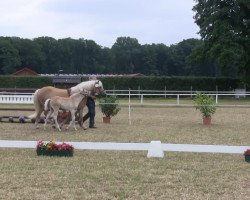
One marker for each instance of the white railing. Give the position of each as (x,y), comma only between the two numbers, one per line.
(136,146)
(16,99)
(27,98)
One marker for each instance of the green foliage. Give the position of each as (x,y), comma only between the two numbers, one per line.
(9,57)
(205,104)
(144,83)
(127,56)
(24,82)
(109,106)
(170,83)
(224,27)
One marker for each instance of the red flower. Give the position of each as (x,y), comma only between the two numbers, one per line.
(247,152)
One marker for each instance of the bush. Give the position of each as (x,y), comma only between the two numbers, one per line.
(205,104)
(109,106)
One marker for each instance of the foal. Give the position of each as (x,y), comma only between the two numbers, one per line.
(65,103)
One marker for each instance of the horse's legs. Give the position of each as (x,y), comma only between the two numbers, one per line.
(80,118)
(72,120)
(38,117)
(65,121)
(55,113)
(47,118)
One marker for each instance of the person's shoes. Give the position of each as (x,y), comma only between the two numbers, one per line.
(92,127)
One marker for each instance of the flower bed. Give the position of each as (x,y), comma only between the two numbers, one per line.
(53,149)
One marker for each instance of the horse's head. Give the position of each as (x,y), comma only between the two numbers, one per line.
(98,88)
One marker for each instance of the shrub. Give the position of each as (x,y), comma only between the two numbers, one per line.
(205,104)
(109,106)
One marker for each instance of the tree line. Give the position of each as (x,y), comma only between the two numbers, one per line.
(48,55)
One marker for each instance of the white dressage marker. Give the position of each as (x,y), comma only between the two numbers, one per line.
(155,150)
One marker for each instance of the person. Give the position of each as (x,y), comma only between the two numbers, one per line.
(91,108)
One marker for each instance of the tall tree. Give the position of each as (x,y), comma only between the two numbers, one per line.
(30,53)
(225,29)
(9,57)
(49,47)
(125,51)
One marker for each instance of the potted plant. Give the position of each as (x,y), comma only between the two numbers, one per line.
(247,155)
(206,105)
(109,107)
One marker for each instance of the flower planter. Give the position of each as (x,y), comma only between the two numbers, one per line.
(53,149)
(247,158)
(106,120)
(65,153)
(207,120)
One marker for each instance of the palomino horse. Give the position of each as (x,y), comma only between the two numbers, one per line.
(65,103)
(41,95)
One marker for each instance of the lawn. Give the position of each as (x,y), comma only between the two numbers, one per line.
(131,175)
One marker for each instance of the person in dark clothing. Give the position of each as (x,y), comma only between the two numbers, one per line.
(91,108)
(91,111)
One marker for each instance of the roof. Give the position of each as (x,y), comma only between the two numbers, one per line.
(66,79)
(97,75)
(26,72)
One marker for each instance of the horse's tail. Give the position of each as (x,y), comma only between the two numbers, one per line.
(36,104)
(47,105)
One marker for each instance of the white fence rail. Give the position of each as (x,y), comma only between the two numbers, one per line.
(112,146)
(27,98)
(16,99)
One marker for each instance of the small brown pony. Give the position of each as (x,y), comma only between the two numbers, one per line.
(70,104)
(41,95)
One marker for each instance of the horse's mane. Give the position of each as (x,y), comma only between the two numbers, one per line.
(87,85)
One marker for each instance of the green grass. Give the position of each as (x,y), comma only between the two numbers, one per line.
(123,175)
(230,126)
(131,175)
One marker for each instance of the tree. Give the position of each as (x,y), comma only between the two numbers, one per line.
(30,53)
(49,47)
(225,28)
(125,51)
(9,57)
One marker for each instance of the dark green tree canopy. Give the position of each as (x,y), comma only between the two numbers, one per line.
(225,29)
(47,55)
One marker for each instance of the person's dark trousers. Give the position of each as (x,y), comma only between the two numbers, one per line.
(91,113)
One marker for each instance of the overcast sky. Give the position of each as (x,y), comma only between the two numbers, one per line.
(150,21)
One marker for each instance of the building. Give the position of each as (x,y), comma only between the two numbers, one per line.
(25,72)
(64,81)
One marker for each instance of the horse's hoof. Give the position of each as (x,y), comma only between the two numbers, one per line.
(37,127)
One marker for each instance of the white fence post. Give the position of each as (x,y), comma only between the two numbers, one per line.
(178,99)
(141,99)
(165,92)
(129,110)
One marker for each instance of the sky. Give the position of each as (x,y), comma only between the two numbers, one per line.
(149,21)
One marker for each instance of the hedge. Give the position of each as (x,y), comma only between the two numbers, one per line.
(24,81)
(171,83)
(146,83)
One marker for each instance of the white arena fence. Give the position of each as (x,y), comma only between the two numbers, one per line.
(154,148)
(27,98)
